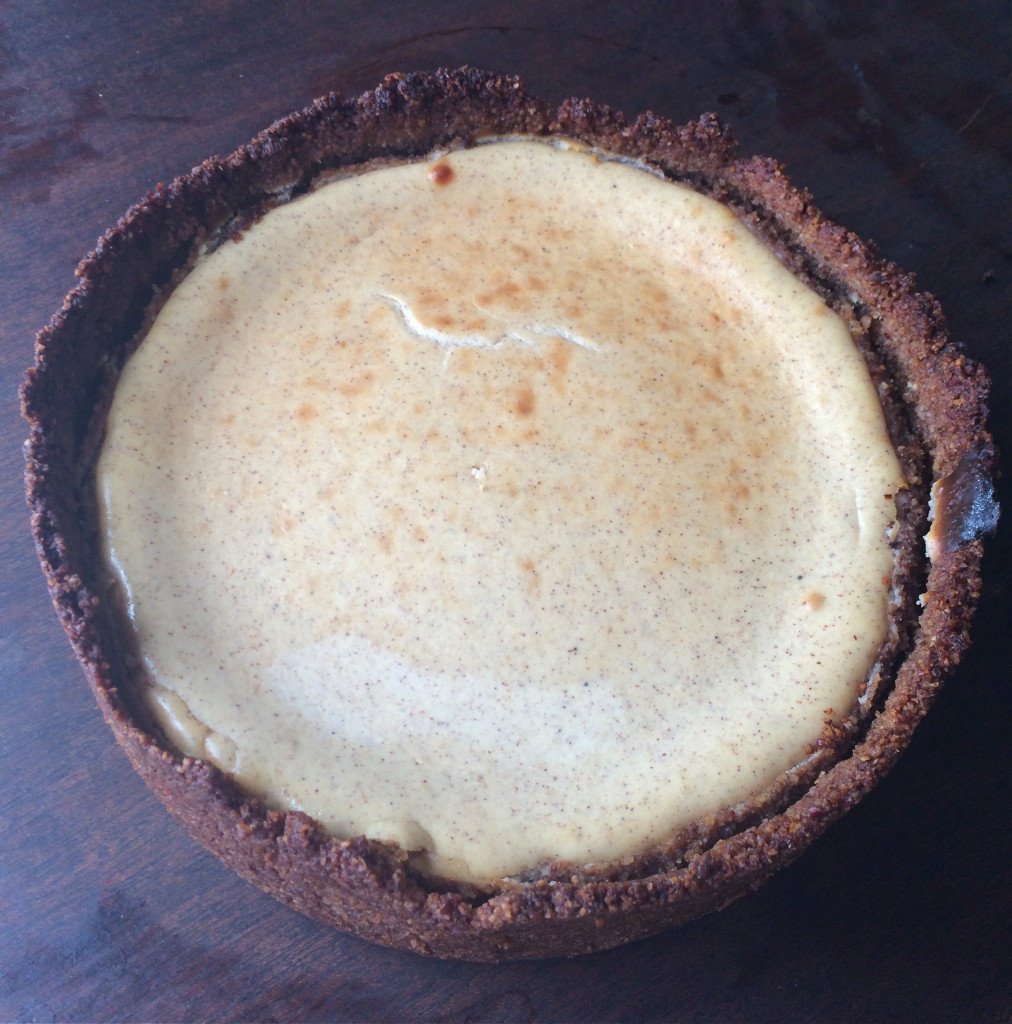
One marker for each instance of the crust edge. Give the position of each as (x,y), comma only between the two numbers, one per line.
(365,887)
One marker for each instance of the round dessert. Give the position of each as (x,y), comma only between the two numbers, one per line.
(535,555)
(499,531)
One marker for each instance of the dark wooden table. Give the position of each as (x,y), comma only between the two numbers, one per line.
(897,116)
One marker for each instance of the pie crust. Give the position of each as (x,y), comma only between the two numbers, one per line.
(934,401)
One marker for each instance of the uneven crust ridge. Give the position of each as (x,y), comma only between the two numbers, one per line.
(934,398)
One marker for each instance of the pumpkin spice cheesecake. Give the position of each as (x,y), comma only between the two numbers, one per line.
(502,531)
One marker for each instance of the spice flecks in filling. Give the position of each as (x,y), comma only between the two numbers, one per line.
(512,507)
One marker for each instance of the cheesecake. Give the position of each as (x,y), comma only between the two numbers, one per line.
(501,531)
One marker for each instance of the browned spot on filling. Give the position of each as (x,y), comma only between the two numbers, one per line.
(690,430)
(532,578)
(503,290)
(441,173)
(524,404)
(306,412)
(357,384)
(224,283)
(228,419)
(815,600)
(559,355)
(711,365)
(385,542)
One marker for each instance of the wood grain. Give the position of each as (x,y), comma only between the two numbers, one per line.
(896,115)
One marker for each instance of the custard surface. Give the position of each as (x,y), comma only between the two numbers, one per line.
(513,506)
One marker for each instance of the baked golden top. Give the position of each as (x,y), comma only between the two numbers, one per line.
(514,506)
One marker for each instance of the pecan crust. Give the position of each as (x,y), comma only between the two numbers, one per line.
(933,397)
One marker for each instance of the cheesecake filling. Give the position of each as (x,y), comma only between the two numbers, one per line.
(513,506)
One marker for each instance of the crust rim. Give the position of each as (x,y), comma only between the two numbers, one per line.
(366,887)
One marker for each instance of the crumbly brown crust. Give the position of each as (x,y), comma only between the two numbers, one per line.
(934,398)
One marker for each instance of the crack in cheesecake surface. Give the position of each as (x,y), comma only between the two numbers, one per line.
(516,507)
